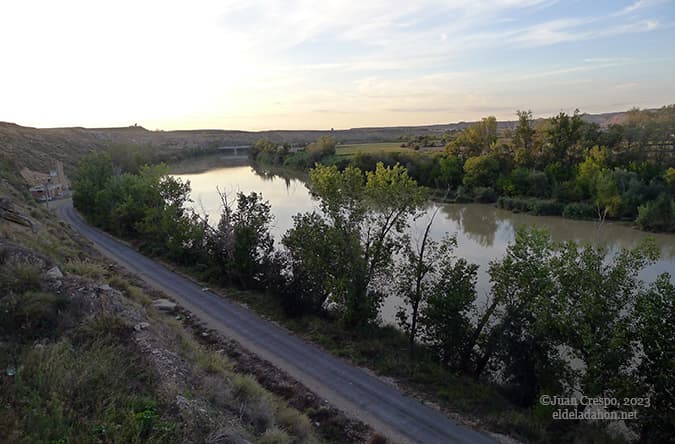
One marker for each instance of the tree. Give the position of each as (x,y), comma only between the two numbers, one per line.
(242,247)
(448,309)
(480,171)
(596,160)
(655,331)
(595,298)
(324,146)
(428,270)
(657,214)
(451,170)
(606,195)
(669,178)
(476,139)
(364,217)
(171,229)
(563,135)
(520,343)
(523,139)
(90,179)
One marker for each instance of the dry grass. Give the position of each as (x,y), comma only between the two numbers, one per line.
(385,147)
(85,268)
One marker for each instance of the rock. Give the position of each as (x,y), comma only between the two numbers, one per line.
(104,287)
(164,305)
(54,273)
(11,371)
(141,326)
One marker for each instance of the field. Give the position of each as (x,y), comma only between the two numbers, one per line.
(382,147)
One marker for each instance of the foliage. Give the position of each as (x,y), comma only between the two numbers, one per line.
(657,215)
(241,247)
(362,217)
(655,328)
(565,158)
(539,207)
(484,194)
(446,314)
(475,139)
(579,210)
(480,171)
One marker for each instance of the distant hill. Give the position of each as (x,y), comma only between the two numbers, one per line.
(38,148)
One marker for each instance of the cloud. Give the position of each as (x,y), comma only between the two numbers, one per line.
(639,5)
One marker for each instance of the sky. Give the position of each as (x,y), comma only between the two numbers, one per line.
(300,64)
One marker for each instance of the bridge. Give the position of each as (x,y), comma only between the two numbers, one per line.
(235,150)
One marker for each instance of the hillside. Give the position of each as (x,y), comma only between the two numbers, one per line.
(37,148)
(89,353)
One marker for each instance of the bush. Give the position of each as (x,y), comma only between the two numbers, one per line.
(538,207)
(546,207)
(484,194)
(657,215)
(31,315)
(19,277)
(579,210)
(294,422)
(84,268)
(462,195)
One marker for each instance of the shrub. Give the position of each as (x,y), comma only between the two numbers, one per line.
(657,215)
(579,210)
(246,388)
(31,315)
(462,195)
(275,436)
(84,268)
(539,207)
(19,277)
(484,194)
(545,207)
(294,422)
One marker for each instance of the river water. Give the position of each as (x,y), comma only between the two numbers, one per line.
(483,231)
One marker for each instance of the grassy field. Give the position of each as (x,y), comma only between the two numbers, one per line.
(381,147)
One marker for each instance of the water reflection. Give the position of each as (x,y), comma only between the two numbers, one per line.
(483,231)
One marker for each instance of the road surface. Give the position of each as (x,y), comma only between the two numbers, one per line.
(347,387)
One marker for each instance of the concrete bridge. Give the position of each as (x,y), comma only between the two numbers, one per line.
(235,150)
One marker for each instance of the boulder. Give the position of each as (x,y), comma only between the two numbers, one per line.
(164,305)
(141,326)
(54,273)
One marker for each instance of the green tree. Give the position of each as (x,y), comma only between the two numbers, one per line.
(480,171)
(595,297)
(476,139)
(90,179)
(657,214)
(521,342)
(324,146)
(563,134)
(241,246)
(523,139)
(448,309)
(606,195)
(451,172)
(655,330)
(669,178)
(596,160)
(429,271)
(364,217)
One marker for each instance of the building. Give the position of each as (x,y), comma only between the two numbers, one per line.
(45,187)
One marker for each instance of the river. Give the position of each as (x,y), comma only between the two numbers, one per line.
(483,231)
